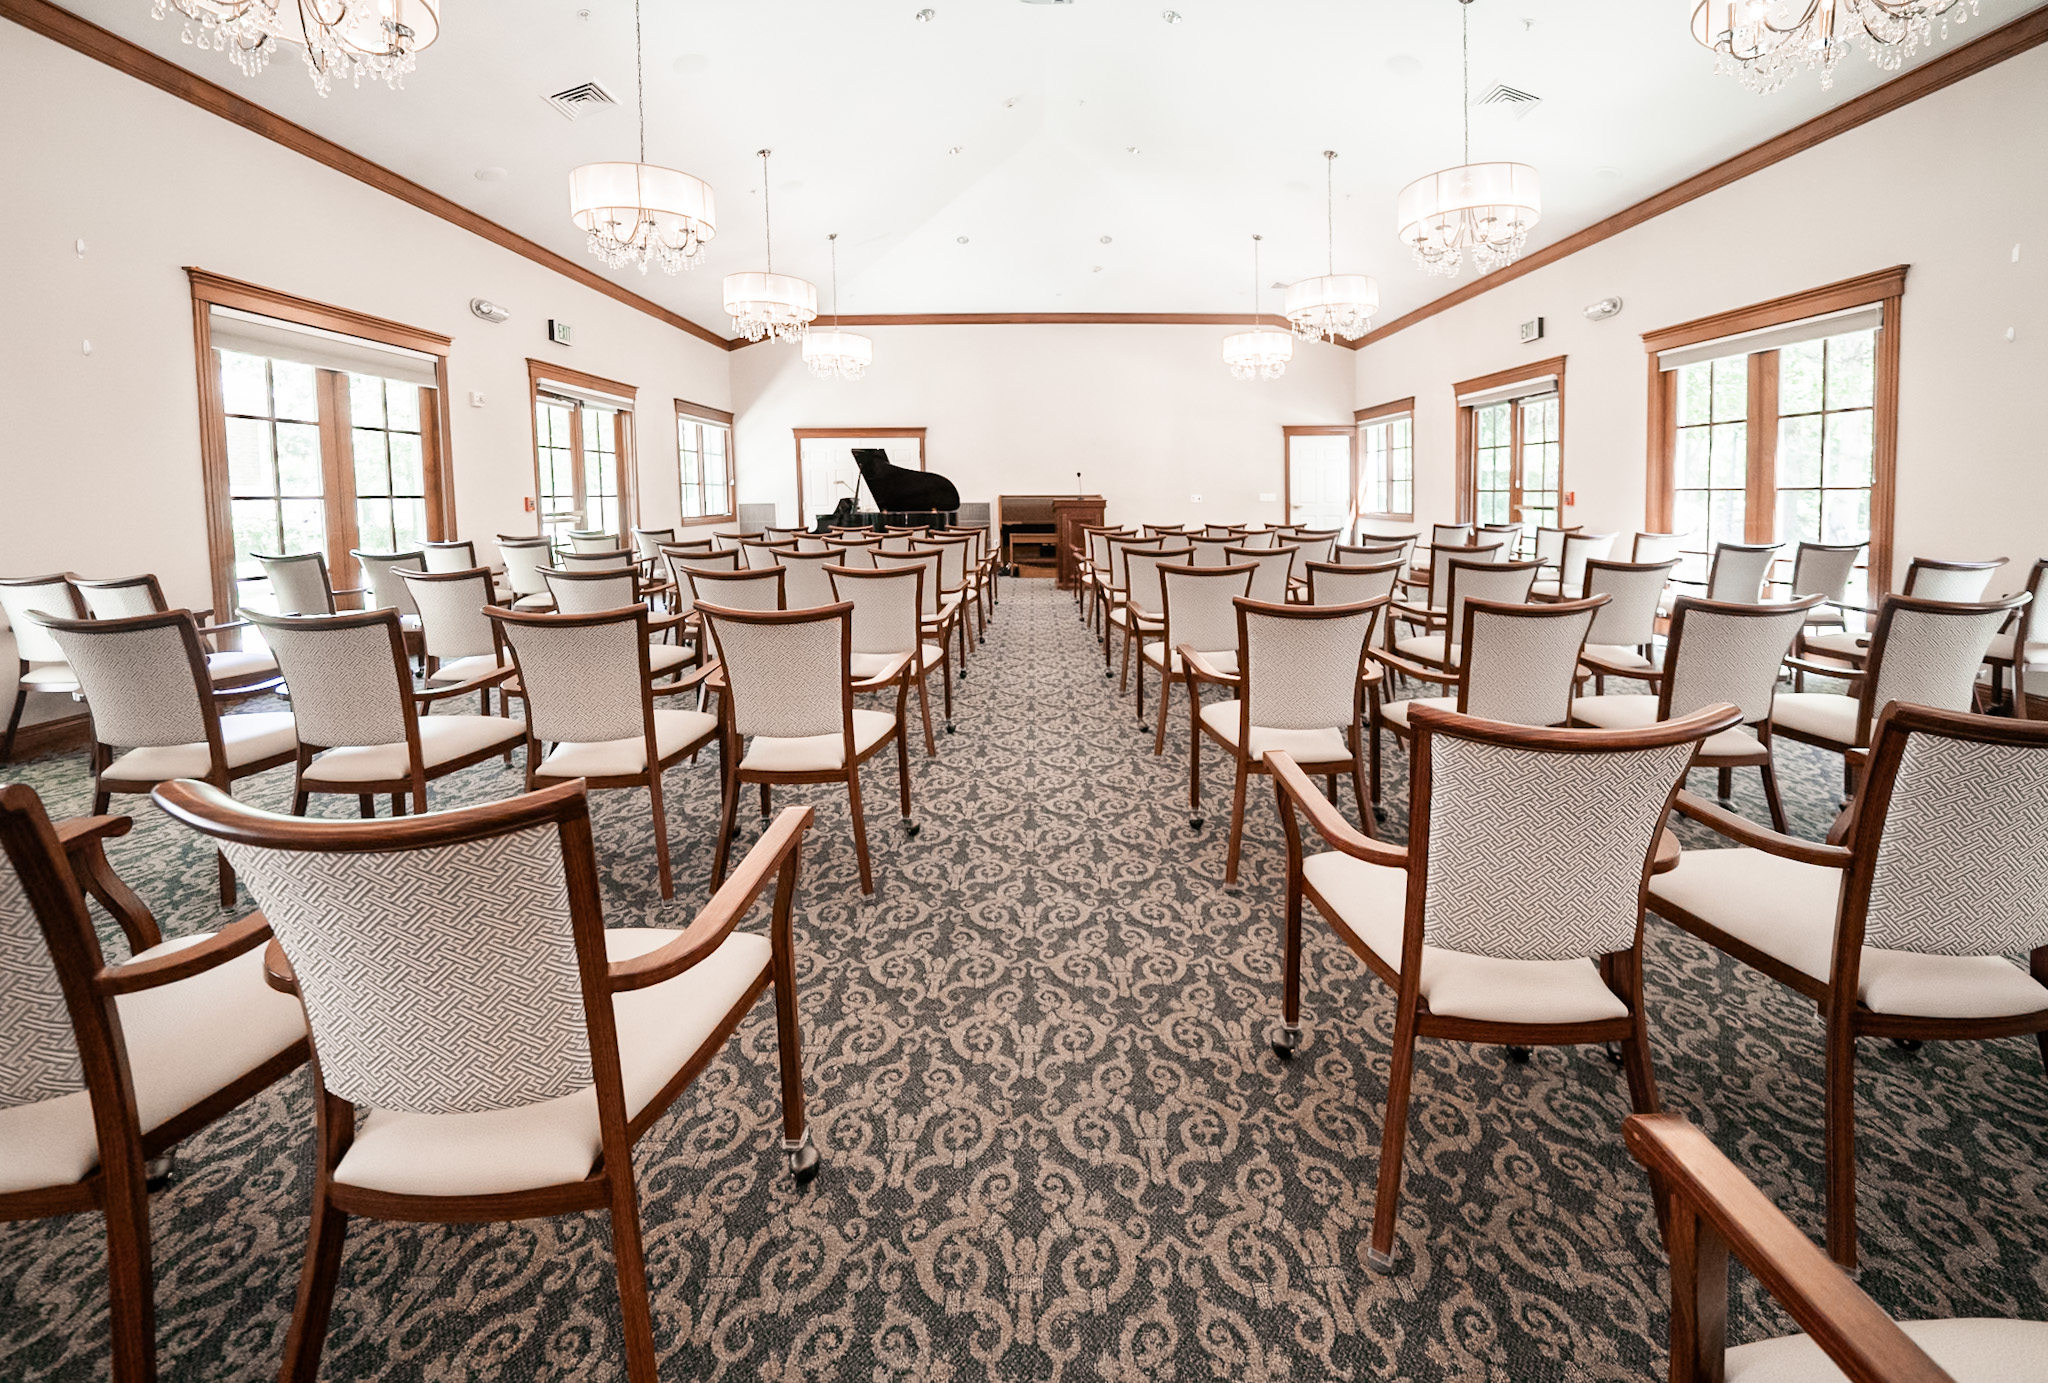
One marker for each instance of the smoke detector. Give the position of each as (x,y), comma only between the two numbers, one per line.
(581,99)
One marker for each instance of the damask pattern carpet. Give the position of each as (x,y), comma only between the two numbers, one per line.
(1056,1145)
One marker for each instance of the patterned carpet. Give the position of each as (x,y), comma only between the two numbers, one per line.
(1056,1145)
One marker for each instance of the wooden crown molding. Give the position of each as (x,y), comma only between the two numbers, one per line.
(539,370)
(208,287)
(1860,291)
(1385,410)
(2009,40)
(81,36)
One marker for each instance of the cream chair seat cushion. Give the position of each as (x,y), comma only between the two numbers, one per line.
(186,1040)
(1372,900)
(1430,648)
(1856,646)
(1620,655)
(243,663)
(1121,616)
(1982,1350)
(660,1029)
(1307,746)
(245,739)
(443,739)
(667,657)
(50,677)
(1626,712)
(674,731)
(2000,647)
(539,600)
(1824,715)
(462,669)
(1787,910)
(1547,588)
(1396,712)
(817,753)
(1224,660)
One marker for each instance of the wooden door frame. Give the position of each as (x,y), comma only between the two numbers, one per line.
(800,433)
(1287,435)
(1467,431)
(705,413)
(627,437)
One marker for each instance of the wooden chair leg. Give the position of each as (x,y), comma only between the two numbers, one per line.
(1635,1049)
(766,797)
(227,879)
(14,724)
(1365,820)
(1372,750)
(1724,782)
(727,817)
(903,768)
(924,709)
(1194,754)
(658,811)
(1236,819)
(1286,1038)
(1393,1140)
(366,805)
(131,1301)
(1771,798)
(629,1259)
(1123,678)
(302,800)
(1165,701)
(1840,1140)
(308,1333)
(860,830)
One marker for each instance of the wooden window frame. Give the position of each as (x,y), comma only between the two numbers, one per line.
(1384,412)
(338,473)
(705,413)
(800,433)
(1885,289)
(627,442)
(1468,431)
(1287,435)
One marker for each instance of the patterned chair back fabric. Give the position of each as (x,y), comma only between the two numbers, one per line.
(853,554)
(299,583)
(143,677)
(758,556)
(1301,664)
(1275,565)
(1633,591)
(680,569)
(596,559)
(1933,579)
(343,676)
(1211,552)
(806,542)
(1258,538)
(1738,573)
(1506,583)
(380,573)
(590,592)
(458,554)
(584,678)
(1200,608)
(451,606)
(806,584)
(886,606)
(1315,546)
(1450,535)
(1332,584)
(1658,547)
(647,542)
(592,541)
(1722,651)
(38,1049)
(786,677)
(734,590)
(1520,660)
(1534,854)
(926,562)
(1442,560)
(523,559)
(1141,576)
(136,595)
(1550,544)
(1579,549)
(952,563)
(1824,569)
(1926,651)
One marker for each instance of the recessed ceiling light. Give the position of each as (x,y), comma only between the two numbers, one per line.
(960,240)
(956,148)
(1170,16)
(1104,240)
(924,16)
(491,173)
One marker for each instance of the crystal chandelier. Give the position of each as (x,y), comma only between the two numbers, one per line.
(1323,309)
(347,38)
(1763,42)
(837,354)
(637,212)
(1486,207)
(1260,353)
(769,306)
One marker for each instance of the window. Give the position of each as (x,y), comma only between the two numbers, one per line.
(320,433)
(827,473)
(704,457)
(1321,476)
(1511,446)
(582,451)
(1774,423)
(1386,442)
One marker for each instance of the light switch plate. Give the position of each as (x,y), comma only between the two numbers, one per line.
(476,398)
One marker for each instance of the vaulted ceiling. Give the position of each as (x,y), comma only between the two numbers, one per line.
(1020,156)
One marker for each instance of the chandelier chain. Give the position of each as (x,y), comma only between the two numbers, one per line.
(834,239)
(1330,208)
(767,224)
(639,81)
(1465,40)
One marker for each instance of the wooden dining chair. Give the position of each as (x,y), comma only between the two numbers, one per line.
(1273,582)
(1458,579)
(1570,565)
(1138,617)
(299,584)
(1624,634)
(525,559)
(669,648)
(1195,609)
(2021,645)
(43,668)
(937,618)
(1514,915)
(1903,930)
(485,1047)
(233,671)
(1935,578)
(462,645)
(449,555)
(888,608)
(385,591)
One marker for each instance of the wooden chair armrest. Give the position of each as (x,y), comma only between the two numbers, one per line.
(1743,831)
(1652,675)
(1203,668)
(489,679)
(81,831)
(1846,671)
(1324,816)
(277,971)
(1408,667)
(887,677)
(734,899)
(182,964)
(689,681)
(1847,1325)
(661,624)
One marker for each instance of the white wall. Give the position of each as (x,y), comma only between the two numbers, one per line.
(1147,414)
(99,458)
(1947,185)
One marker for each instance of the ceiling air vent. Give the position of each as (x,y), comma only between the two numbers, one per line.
(1513,97)
(580,100)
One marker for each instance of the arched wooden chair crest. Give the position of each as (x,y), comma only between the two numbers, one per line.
(1738,572)
(855,551)
(730,540)
(594,541)
(43,668)
(361,732)
(1657,547)
(1514,914)
(888,622)
(775,534)
(1333,583)
(1316,544)
(647,547)
(1548,543)
(110,1065)
(508,1048)
(1300,688)
(453,554)
(790,716)
(1933,578)
(1210,552)
(1138,616)
(1369,554)
(233,672)
(2022,645)
(755,556)
(299,584)
(1903,931)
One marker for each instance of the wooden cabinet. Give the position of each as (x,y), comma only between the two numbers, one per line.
(1071,516)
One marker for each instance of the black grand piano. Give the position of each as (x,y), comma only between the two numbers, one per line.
(902,497)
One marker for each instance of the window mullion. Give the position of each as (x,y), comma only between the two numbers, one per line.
(1761,498)
(337,474)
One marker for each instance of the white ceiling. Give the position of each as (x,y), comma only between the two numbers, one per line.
(1228,111)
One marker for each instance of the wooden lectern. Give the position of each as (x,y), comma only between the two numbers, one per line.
(1071,516)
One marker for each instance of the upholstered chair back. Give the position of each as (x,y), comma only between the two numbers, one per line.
(1933,579)
(1369,552)
(858,553)
(757,556)
(1579,549)
(952,562)
(298,583)
(1332,584)
(1161,530)
(1658,547)
(733,590)
(592,541)
(1957,835)
(451,606)
(1633,590)
(782,535)
(1485,579)
(343,672)
(1723,651)
(1315,545)
(730,542)
(1275,565)
(1443,558)
(596,559)
(457,554)
(38,1049)
(886,606)
(1534,853)
(1824,569)
(927,562)
(1258,538)
(1508,535)
(1211,552)
(585,676)
(1550,544)
(1926,651)
(1199,605)
(1739,570)
(118,599)
(1520,660)
(786,675)
(1301,663)
(898,543)
(143,677)
(805,583)
(524,558)
(681,567)
(380,574)
(647,542)
(590,592)
(1141,575)
(689,549)
(1450,535)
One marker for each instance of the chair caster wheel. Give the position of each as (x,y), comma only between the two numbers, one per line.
(1906,1044)
(949,727)
(1614,1053)
(911,828)
(803,1159)
(1379,813)
(1286,1039)
(159,1172)
(1518,1055)
(1194,823)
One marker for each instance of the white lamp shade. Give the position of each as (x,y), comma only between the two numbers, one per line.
(617,197)
(1507,196)
(1338,291)
(776,297)
(1262,352)
(363,30)
(835,352)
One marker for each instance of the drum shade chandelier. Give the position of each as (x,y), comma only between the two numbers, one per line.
(837,354)
(637,212)
(1260,353)
(767,305)
(1487,208)
(341,38)
(1764,42)
(1323,309)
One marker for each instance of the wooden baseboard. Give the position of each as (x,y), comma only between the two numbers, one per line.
(52,737)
